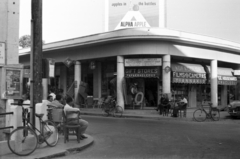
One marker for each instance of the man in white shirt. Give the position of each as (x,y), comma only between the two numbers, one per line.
(183,103)
(83,123)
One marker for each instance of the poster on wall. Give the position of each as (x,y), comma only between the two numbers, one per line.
(133,14)
(13,79)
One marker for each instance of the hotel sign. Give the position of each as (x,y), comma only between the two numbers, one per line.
(143,62)
(137,72)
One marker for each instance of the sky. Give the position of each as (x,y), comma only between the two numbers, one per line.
(66,19)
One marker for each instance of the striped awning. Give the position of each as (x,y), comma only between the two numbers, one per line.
(188,73)
(225,76)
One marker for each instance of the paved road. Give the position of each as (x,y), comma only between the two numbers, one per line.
(170,139)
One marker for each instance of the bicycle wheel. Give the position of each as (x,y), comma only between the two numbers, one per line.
(105,109)
(50,133)
(22,141)
(215,114)
(118,111)
(199,115)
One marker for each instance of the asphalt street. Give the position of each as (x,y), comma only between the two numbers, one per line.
(170,139)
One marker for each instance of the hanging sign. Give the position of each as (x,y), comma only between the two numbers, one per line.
(68,62)
(92,65)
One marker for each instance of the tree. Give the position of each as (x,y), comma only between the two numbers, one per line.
(25,41)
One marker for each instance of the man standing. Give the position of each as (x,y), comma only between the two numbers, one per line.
(74,114)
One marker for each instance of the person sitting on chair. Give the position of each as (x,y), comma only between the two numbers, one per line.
(183,103)
(83,123)
(164,103)
(57,103)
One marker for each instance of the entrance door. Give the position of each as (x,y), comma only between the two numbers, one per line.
(151,86)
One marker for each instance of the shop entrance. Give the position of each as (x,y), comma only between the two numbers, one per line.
(151,93)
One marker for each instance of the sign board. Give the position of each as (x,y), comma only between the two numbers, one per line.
(138,72)
(68,62)
(236,72)
(133,13)
(2,53)
(143,62)
(51,65)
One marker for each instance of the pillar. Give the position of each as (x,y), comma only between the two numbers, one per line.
(166,75)
(97,80)
(63,78)
(77,77)
(120,77)
(224,95)
(214,84)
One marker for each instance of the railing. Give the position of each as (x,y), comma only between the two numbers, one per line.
(7,113)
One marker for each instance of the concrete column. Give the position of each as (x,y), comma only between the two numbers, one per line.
(166,76)
(120,76)
(162,14)
(97,81)
(224,95)
(77,77)
(63,78)
(45,88)
(214,84)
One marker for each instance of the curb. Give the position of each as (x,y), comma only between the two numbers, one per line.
(67,151)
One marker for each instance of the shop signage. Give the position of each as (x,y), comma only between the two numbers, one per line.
(227,80)
(2,53)
(190,81)
(189,75)
(92,65)
(142,72)
(236,72)
(143,62)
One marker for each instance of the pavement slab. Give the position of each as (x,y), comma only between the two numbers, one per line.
(61,149)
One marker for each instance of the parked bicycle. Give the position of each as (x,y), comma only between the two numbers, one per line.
(201,114)
(110,107)
(24,140)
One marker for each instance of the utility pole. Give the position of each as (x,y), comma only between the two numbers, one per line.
(36,56)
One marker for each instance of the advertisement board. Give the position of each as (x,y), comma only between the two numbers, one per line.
(133,13)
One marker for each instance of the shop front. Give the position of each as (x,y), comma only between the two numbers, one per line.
(188,80)
(142,77)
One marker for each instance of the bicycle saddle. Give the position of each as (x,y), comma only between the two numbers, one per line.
(39,115)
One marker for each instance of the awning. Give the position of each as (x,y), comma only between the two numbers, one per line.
(225,76)
(142,72)
(188,73)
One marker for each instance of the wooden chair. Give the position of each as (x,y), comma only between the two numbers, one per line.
(69,128)
(182,112)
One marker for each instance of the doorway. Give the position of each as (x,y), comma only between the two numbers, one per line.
(151,93)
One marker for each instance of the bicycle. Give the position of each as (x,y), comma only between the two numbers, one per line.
(201,114)
(24,140)
(111,108)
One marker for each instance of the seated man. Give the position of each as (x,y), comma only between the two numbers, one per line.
(57,103)
(183,103)
(83,123)
(164,103)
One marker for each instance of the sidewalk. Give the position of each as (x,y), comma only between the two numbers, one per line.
(61,149)
(149,113)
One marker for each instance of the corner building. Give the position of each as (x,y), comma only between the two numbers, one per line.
(155,59)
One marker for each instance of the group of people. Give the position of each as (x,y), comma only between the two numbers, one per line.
(58,101)
(164,105)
